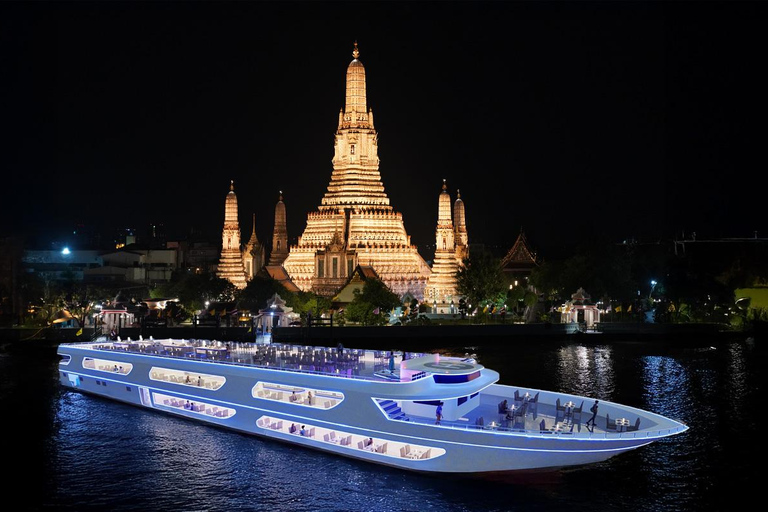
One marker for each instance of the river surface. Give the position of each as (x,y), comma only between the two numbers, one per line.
(67,451)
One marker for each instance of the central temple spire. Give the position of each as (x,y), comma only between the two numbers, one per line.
(355,85)
(355,224)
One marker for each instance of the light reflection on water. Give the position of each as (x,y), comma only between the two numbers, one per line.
(586,371)
(86,453)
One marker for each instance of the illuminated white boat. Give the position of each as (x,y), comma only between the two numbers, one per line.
(363,404)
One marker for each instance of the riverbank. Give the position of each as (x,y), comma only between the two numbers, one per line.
(422,337)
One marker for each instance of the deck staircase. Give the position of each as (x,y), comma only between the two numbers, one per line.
(393,411)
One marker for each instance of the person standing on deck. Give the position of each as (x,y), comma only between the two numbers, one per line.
(594,414)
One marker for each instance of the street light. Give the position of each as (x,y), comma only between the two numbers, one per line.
(653,285)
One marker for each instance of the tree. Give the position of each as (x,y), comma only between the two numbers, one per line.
(372,304)
(463,307)
(604,270)
(309,302)
(696,296)
(259,290)
(481,279)
(194,290)
(413,310)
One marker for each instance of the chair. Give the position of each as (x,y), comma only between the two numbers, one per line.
(576,417)
(326,438)
(635,427)
(479,421)
(609,423)
(542,425)
(427,454)
(559,411)
(533,406)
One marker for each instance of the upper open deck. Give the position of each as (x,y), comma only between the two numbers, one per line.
(375,365)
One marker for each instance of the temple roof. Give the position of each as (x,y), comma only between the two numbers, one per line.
(520,255)
(278,273)
(355,282)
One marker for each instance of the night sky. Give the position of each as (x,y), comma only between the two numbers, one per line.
(572,121)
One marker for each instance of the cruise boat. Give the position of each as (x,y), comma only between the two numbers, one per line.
(375,406)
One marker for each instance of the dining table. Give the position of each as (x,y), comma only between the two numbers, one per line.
(415,454)
(622,424)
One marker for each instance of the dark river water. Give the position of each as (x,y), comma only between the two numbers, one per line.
(65,451)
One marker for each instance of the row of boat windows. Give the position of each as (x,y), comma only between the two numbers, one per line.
(352,441)
(192,406)
(194,379)
(106,365)
(319,398)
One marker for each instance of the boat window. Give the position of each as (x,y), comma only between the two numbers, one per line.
(383,446)
(186,378)
(298,395)
(455,379)
(193,406)
(65,359)
(107,365)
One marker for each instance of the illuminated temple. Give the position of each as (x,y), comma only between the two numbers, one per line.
(355,224)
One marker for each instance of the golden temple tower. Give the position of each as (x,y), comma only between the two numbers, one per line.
(460,235)
(253,254)
(279,235)
(441,287)
(355,223)
(231,261)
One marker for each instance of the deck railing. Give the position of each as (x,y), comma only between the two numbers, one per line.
(636,434)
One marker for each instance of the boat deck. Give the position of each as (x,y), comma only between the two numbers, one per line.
(342,362)
(487,417)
